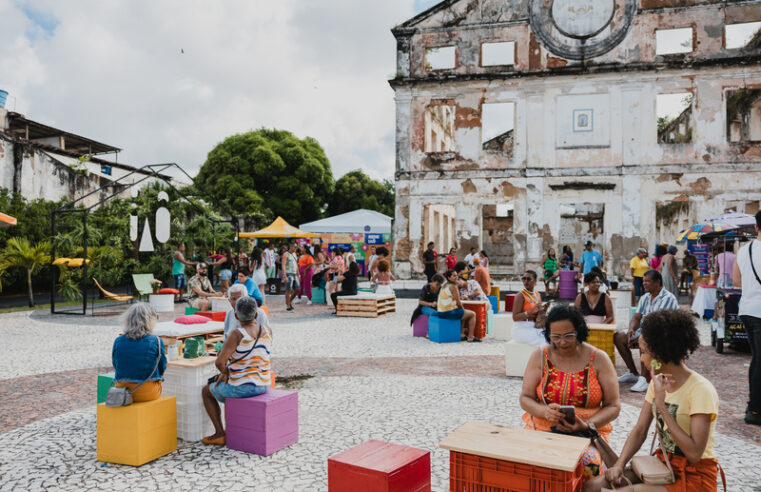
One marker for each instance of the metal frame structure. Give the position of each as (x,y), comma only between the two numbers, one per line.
(148,171)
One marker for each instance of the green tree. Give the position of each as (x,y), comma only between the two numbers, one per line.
(20,253)
(357,190)
(266,173)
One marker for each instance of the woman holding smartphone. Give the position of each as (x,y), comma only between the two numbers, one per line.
(570,373)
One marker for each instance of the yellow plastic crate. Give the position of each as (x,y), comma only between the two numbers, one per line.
(138,433)
(603,339)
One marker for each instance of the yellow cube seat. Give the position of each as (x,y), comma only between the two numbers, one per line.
(138,433)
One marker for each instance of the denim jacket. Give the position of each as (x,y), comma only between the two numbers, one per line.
(133,359)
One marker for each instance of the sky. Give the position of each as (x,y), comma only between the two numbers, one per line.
(167,81)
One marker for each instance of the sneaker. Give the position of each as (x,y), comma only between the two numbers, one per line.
(289,309)
(752,418)
(628,378)
(309,302)
(640,386)
(296,301)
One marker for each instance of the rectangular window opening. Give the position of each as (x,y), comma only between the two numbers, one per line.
(498,54)
(673,41)
(497,127)
(675,121)
(441,58)
(105,169)
(744,115)
(439,128)
(745,35)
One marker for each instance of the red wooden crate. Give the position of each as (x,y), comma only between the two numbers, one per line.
(478,474)
(480,309)
(377,466)
(213,315)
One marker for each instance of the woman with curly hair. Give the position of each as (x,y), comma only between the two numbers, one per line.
(570,371)
(685,405)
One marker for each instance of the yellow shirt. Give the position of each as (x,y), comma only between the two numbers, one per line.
(696,395)
(639,265)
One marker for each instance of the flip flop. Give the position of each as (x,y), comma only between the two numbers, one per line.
(216,441)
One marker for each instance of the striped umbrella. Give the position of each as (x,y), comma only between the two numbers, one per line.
(694,232)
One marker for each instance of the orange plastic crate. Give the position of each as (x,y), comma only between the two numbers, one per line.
(480,310)
(470,473)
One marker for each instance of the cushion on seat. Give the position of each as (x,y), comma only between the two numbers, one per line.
(169,291)
(191,319)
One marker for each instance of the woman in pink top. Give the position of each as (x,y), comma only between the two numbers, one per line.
(725,262)
(655,261)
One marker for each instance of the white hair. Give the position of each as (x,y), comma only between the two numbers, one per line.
(245,309)
(238,289)
(138,320)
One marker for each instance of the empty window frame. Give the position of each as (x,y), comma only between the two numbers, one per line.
(439,128)
(673,41)
(744,35)
(744,115)
(498,54)
(497,127)
(441,58)
(675,119)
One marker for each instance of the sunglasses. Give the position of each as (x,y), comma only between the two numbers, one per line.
(567,337)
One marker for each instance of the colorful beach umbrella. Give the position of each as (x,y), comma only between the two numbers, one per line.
(694,232)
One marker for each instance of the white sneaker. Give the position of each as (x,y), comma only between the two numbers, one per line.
(309,302)
(641,385)
(296,301)
(628,378)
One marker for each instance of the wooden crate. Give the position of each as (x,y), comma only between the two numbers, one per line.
(366,305)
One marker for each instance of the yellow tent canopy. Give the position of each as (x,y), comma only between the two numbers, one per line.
(279,228)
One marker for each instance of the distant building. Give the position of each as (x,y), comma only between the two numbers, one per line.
(524,125)
(40,161)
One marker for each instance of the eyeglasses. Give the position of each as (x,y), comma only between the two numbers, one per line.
(567,337)
(526,279)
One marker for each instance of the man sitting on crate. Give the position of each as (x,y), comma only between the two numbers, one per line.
(235,292)
(656,298)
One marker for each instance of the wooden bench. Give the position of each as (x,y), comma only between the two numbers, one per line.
(366,305)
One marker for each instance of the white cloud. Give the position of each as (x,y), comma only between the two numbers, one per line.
(115,72)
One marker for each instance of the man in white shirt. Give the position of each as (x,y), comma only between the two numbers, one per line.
(747,272)
(656,298)
(469,258)
(235,292)
(269,261)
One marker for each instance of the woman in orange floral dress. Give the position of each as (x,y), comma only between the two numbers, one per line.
(569,371)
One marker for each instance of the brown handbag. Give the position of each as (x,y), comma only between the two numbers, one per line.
(649,469)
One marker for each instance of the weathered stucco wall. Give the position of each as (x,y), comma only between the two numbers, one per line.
(618,166)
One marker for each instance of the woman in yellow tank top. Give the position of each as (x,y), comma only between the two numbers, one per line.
(527,304)
(449,306)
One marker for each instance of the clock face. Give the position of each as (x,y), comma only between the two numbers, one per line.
(582,18)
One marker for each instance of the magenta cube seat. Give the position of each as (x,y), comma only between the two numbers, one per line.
(262,424)
(420,326)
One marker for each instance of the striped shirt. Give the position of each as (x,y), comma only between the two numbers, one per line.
(664,300)
(446,300)
(254,367)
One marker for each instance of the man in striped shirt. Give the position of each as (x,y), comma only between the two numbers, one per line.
(656,298)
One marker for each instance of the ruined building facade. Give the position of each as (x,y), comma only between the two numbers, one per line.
(528,124)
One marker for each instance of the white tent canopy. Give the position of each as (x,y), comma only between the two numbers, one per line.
(358,221)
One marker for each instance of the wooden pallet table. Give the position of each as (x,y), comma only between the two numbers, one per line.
(366,305)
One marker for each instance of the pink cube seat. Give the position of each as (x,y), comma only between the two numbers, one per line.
(262,424)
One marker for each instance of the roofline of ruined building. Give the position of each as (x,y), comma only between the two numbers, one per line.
(679,62)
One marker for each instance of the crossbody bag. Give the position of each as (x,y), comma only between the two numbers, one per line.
(752,266)
(214,378)
(122,396)
(649,469)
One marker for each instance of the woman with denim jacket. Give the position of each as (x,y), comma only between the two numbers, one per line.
(135,352)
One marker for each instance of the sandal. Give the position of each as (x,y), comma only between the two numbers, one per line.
(462,339)
(216,441)
(474,340)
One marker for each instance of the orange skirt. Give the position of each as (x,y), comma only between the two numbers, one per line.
(692,477)
(151,390)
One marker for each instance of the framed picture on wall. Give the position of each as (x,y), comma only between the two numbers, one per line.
(583,120)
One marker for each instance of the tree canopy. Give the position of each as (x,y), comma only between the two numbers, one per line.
(357,190)
(266,173)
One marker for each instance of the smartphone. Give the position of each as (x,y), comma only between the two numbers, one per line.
(569,413)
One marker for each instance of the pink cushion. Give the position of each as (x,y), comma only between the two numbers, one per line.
(191,319)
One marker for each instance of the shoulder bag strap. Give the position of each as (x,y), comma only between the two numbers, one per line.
(658,429)
(158,359)
(750,255)
(259,334)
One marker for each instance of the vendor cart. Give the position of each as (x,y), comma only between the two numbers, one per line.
(728,328)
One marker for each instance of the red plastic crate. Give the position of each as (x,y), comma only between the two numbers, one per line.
(472,473)
(377,466)
(480,310)
(509,299)
(213,315)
